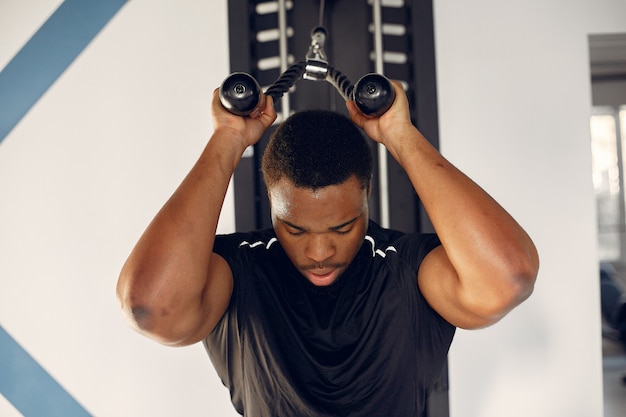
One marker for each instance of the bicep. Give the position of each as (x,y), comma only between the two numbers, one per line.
(440,284)
(215,298)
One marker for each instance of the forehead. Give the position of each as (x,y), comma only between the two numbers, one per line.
(329,205)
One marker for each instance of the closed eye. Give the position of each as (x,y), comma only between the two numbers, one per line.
(292,229)
(344,228)
(341,229)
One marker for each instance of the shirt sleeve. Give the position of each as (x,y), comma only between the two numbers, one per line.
(226,246)
(414,247)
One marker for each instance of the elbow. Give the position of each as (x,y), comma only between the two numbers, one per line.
(135,309)
(517,282)
(152,313)
(139,316)
(144,318)
(139,309)
(507,289)
(524,274)
(520,288)
(516,278)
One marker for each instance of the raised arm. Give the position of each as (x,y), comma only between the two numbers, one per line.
(173,288)
(487,264)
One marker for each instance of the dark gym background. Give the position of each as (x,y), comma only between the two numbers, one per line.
(408,56)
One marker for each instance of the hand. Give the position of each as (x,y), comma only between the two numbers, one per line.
(390,124)
(243,130)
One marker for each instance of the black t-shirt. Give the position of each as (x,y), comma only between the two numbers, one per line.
(367,345)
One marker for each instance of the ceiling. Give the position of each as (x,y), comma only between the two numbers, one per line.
(607,54)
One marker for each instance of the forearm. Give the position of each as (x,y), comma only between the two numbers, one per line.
(487,263)
(172,287)
(488,249)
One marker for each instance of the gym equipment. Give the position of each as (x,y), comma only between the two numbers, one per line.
(373,93)
(390,37)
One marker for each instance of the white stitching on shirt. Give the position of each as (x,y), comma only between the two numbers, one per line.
(259,243)
(370,239)
(253,245)
(379,251)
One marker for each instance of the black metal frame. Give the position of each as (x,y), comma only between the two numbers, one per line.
(348,47)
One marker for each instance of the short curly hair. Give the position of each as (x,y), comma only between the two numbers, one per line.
(315,149)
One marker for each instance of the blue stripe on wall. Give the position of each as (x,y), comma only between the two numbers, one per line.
(31,390)
(48,54)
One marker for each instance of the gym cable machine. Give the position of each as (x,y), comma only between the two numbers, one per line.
(373,93)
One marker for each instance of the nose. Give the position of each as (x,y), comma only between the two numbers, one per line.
(320,248)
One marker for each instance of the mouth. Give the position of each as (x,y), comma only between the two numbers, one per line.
(321,277)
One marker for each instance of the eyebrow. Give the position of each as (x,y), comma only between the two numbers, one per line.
(333,228)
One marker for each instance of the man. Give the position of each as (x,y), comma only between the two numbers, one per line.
(326,314)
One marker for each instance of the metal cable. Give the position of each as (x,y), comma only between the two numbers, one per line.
(292,74)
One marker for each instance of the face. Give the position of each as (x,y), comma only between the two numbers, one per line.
(322,230)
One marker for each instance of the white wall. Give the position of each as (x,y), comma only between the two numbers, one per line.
(514,95)
(80,178)
(87,168)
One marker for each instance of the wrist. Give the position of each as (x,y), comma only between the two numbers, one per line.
(226,148)
(399,140)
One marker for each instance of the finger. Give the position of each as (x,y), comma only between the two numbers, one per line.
(216,103)
(265,112)
(400,93)
(269,106)
(216,93)
(268,116)
(357,117)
